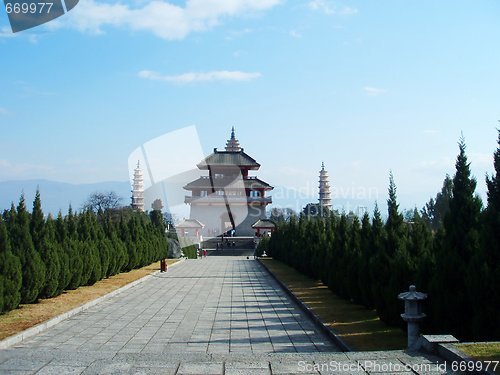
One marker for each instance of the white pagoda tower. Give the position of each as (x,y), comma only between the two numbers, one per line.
(138,190)
(324,188)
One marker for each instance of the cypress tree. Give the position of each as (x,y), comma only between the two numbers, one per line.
(338,273)
(71,224)
(395,222)
(10,273)
(379,264)
(73,250)
(97,271)
(329,261)
(118,251)
(76,263)
(461,241)
(37,222)
(366,253)
(398,267)
(84,249)
(132,259)
(436,209)
(353,260)
(105,254)
(420,248)
(61,243)
(32,266)
(484,283)
(44,243)
(2,294)
(48,248)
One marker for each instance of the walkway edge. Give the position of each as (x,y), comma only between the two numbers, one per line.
(40,327)
(332,335)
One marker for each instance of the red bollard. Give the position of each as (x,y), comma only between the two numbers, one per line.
(163,265)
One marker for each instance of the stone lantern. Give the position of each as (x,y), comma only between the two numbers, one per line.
(413,315)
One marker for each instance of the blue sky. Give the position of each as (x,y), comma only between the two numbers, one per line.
(363,86)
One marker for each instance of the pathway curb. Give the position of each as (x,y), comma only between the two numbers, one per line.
(332,335)
(40,327)
(445,347)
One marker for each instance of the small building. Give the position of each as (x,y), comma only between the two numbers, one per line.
(189,227)
(263,227)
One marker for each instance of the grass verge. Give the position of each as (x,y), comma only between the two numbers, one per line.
(27,316)
(359,327)
(484,352)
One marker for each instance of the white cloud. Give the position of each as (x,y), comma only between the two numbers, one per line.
(295,34)
(442,164)
(373,91)
(356,164)
(200,77)
(481,160)
(239,53)
(329,7)
(3,111)
(162,18)
(22,170)
(237,34)
(6,32)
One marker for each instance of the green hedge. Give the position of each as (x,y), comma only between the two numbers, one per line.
(371,261)
(41,257)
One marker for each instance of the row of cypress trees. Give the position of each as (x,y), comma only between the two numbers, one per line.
(371,261)
(41,257)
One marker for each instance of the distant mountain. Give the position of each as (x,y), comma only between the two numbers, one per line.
(57,196)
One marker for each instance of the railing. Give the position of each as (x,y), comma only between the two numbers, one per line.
(229,177)
(230,199)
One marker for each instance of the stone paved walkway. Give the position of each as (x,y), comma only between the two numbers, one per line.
(217,315)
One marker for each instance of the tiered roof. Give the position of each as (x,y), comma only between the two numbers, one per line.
(228,159)
(250,183)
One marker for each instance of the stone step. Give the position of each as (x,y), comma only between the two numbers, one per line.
(230,252)
(230,243)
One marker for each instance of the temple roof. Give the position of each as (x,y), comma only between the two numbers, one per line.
(228,183)
(264,224)
(232,157)
(190,223)
(228,159)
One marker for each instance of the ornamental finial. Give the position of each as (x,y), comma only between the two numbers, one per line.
(233,144)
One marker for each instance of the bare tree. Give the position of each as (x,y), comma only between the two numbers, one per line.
(102,201)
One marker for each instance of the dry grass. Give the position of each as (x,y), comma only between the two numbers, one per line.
(359,327)
(483,351)
(27,316)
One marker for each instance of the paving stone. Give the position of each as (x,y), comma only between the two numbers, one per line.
(13,364)
(200,369)
(212,316)
(61,370)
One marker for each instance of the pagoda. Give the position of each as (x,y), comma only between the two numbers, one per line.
(138,190)
(228,199)
(324,188)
